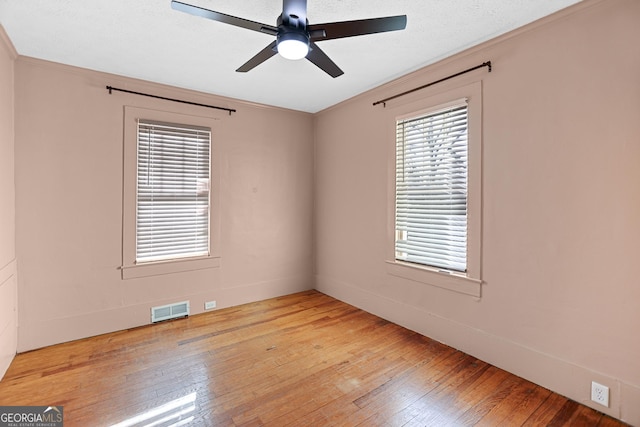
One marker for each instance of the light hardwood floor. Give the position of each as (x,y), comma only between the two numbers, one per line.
(303,360)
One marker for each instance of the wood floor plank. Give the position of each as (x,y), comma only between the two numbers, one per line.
(520,409)
(458,395)
(298,360)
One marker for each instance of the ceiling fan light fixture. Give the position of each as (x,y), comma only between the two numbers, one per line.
(293,45)
(295,38)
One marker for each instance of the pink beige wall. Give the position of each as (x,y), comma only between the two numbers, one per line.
(560,300)
(69,184)
(8,278)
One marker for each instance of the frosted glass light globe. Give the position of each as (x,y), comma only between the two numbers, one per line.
(293,49)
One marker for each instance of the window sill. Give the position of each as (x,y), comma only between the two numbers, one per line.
(168,267)
(442,279)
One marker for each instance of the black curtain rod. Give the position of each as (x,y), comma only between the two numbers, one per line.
(384,101)
(230,110)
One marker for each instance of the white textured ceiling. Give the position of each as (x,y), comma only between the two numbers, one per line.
(146,39)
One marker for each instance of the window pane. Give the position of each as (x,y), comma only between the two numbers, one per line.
(431,189)
(172,209)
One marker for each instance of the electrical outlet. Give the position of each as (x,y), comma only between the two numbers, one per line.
(209,305)
(600,393)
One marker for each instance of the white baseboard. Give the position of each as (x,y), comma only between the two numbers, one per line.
(546,370)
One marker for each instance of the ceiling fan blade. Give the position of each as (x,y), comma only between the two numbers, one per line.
(260,57)
(297,8)
(337,30)
(221,17)
(319,58)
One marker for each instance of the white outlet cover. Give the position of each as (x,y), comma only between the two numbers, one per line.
(600,393)
(209,305)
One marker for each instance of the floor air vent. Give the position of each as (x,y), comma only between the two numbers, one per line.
(170,311)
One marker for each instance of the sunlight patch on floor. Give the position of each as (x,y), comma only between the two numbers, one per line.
(172,414)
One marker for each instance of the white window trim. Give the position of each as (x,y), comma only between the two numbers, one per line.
(129,267)
(469,283)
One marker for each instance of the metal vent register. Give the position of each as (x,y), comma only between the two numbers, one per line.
(170,311)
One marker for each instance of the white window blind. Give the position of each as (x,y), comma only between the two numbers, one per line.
(172,202)
(431,189)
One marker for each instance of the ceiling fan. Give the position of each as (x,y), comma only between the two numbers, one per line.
(295,38)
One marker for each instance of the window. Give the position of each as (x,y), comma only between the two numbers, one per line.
(172,205)
(435,185)
(431,189)
(170,193)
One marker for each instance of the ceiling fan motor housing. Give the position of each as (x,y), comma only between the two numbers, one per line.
(292,39)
